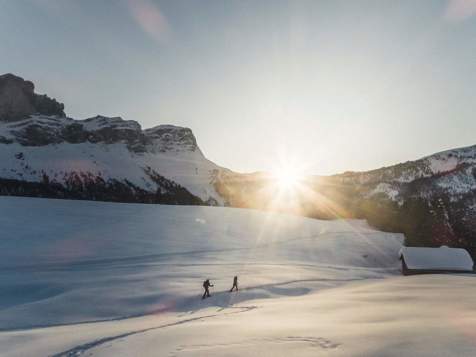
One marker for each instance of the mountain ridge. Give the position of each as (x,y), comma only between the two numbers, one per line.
(106,158)
(432,200)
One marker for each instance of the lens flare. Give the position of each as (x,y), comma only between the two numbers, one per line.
(286,178)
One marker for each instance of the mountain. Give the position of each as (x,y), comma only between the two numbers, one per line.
(45,153)
(431,200)
(18,100)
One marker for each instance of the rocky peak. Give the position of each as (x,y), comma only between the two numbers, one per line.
(37,120)
(18,100)
(171,138)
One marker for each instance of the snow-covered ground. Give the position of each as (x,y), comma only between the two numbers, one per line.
(109,279)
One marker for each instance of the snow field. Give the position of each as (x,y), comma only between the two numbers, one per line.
(131,259)
(108,279)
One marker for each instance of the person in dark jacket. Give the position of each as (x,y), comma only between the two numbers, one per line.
(235,284)
(206,286)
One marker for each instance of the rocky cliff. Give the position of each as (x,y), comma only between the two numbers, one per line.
(18,100)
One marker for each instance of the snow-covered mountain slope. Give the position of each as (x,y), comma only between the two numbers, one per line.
(451,171)
(167,151)
(98,158)
(431,200)
(65,261)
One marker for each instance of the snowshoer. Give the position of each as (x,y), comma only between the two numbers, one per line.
(206,285)
(235,284)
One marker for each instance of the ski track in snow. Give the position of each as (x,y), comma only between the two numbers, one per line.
(78,350)
(313,341)
(318,342)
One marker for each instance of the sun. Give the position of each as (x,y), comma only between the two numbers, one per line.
(286,178)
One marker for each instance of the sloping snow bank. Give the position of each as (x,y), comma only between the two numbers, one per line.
(400,316)
(74,261)
(421,316)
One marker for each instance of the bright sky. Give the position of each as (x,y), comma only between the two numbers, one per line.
(334,85)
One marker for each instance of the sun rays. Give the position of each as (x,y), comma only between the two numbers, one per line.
(286,179)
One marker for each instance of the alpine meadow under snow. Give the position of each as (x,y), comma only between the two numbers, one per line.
(110,279)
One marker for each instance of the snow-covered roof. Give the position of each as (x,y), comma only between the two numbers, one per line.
(443,258)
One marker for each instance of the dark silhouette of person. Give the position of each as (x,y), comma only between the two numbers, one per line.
(206,285)
(235,284)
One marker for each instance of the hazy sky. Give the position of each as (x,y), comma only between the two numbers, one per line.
(332,85)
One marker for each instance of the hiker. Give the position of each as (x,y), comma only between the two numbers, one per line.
(235,284)
(206,285)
